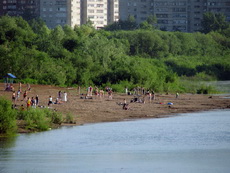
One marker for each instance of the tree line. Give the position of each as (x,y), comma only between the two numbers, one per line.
(84,56)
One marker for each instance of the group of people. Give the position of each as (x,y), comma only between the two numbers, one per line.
(98,93)
(33,101)
(30,102)
(62,97)
(136,91)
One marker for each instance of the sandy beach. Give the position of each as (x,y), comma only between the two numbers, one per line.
(102,109)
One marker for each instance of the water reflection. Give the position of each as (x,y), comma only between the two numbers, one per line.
(7,142)
(5,153)
(198,142)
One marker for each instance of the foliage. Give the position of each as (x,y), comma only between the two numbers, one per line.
(39,119)
(121,53)
(129,24)
(69,118)
(149,23)
(7,117)
(213,22)
(205,90)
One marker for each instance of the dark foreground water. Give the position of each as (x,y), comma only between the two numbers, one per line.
(191,143)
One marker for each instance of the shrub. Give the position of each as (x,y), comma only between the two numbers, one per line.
(206,90)
(40,119)
(35,119)
(7,117)
(69,118)
(55,117)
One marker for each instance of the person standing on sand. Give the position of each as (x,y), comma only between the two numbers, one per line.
(177,95)
(65,97)
(28,87)
(28,103)
(96,91)
(59,95)
(50,101)
(18,94)
(91,91)
(101,93)
(110,94)
(33,102)
(126,90)
(24,95)
(36,98)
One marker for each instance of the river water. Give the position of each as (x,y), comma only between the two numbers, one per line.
(191,143)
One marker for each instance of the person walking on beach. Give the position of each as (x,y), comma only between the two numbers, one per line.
(90,91)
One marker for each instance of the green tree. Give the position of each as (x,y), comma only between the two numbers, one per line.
(149,23)
(213,22)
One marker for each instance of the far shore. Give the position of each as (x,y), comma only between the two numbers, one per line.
(103,109)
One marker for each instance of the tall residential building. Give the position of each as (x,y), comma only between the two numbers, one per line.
(173,15)
(28,9)
(113,11)
(199,7)
(60,12)
(95,11)
(99,12)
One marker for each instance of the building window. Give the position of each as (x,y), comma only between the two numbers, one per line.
(91,11)
(99,11)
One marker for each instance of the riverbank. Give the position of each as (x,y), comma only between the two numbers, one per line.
(102,109)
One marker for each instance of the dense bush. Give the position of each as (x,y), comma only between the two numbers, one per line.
(35,119)
(39,119)
(7,117)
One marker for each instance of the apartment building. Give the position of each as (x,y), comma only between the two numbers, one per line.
(113,11)
(96,11)
(174,15)
(99,12)
(60,12)
(28,9)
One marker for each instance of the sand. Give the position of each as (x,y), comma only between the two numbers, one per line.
(102,109)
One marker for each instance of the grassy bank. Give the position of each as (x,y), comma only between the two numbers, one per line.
(31,119)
